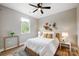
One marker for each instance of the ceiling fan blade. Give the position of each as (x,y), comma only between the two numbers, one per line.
(46,7)
(41,11)
(33,5)
(35,10)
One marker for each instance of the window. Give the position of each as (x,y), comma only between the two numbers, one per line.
(25,25)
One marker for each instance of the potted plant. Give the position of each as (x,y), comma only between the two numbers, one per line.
(12,33)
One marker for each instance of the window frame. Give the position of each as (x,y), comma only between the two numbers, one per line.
(28,23)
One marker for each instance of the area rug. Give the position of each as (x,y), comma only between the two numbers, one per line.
(20,53)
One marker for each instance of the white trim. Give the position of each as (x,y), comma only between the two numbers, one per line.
(1,49)
(27,20)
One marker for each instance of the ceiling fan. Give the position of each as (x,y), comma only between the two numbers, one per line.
(40,7)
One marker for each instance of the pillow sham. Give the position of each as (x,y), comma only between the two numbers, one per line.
(48,35)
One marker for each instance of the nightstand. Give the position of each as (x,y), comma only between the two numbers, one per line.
(65,44)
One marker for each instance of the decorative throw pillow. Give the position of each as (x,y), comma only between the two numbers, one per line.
(50,36)
(45,35)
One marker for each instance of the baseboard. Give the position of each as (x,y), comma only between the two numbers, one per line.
(1,50)
(22,43)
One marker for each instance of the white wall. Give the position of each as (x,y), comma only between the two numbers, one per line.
(10,21)
(66,21)
(78,25)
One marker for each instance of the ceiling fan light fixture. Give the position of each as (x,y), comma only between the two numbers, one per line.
(39,8)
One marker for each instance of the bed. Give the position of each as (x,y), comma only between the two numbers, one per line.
(40,46)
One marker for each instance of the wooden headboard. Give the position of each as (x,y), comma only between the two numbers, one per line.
(58,35)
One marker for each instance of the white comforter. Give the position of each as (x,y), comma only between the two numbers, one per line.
(43,46)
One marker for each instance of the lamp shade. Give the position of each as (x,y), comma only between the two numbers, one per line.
(65,34)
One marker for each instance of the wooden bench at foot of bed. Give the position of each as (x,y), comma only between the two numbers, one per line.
(30,52)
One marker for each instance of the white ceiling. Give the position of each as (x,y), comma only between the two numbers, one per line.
(26,9)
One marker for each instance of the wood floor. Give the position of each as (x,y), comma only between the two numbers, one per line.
(65,52)
(60,52)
